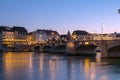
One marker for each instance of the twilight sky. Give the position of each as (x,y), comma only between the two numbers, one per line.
(61,15)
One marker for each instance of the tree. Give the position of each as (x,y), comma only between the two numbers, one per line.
(119,11)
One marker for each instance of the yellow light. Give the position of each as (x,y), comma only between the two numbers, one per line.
(52,33)
(74,36)
(70,44)
(86,67)
(86,43)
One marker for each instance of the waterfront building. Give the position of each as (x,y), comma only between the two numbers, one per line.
(31,38)
(103,36)
(20,36)
(6,37)
(51,34)
(42,36)
(80,35)
(14,37)
(37,37)
(65,37)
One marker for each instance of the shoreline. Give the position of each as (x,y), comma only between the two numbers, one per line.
(82,55)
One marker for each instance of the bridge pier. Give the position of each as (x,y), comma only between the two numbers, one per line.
(103,45)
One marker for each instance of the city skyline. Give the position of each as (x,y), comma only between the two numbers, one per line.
(61,15)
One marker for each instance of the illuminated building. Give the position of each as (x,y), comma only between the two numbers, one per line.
(63,37)
(30,38)
(66,37)
(6,37)
(42,36)
(20,36)
(103,36)
(80,35)
(52,34)
(37,37)
(14,37)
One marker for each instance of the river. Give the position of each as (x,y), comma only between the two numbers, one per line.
(48,66)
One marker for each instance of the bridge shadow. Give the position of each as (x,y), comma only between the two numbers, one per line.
(114,51)
(47,48)
(60,49)
(86,49)
(37,48)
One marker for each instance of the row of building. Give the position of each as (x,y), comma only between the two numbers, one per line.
(17,37)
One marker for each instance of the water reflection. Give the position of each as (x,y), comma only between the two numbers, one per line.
(15,64)
(38,66)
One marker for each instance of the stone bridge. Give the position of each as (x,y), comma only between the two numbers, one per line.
(74,47)
(46,47)
(107,46)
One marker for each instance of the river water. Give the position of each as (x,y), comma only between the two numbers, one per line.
(44,66)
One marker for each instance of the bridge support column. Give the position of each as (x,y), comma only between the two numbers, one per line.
(103,46)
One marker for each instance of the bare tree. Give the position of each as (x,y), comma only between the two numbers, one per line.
(119,11)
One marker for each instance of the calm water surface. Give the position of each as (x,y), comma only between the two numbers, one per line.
(38,66)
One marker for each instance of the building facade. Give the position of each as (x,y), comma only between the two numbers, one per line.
(6,37)
(14,37)
(80,35)
(42,36)
(104,36)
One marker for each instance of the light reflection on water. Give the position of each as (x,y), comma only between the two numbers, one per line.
(37,66)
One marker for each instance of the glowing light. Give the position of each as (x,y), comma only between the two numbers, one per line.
(74,36)
(52,33)
(70,44)
(86,43)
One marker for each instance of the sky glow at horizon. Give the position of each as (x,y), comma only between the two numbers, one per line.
(62,15)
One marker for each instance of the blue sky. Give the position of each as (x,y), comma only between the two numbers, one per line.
(61,15)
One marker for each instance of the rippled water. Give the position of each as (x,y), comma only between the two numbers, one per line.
(43,66)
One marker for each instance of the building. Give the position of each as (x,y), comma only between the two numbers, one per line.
(37,37)
(104,36)
(51,34)
(66,37)
(20,36)
(80,35)
(31,38)
(42,36)
(6,37)
(13,37)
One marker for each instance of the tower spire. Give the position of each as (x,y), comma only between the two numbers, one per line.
(68,35)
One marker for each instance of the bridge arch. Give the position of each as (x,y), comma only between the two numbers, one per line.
(47,48)
(86,49)
(114,51)
(37,48)
(113,45)
(114,48)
